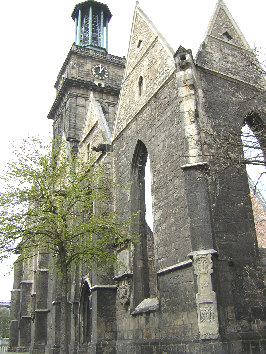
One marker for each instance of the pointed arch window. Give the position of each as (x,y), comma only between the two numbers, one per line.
(254,147)
(85,320)
(144,277)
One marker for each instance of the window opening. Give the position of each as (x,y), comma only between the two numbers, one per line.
(85,322)
(140,85)
(254,159)
(139,43)
(96,29)
(227,36)
(148,195)
(253,141)
(144,276)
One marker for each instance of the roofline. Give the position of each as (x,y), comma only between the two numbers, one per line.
(94,3)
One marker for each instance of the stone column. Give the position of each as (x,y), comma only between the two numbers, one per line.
(205,297)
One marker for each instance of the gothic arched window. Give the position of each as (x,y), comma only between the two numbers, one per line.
(85,324)
(144,277)
(254,147)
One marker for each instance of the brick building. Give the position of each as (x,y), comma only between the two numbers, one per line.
(194,281)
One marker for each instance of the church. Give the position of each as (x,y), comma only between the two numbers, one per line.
(194,282)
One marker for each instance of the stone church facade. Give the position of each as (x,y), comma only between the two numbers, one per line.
(193,284)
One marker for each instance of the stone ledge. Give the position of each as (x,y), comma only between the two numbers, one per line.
(201,252)
(147,305)
(99,287)
(175,267)
(122,276)
(202,164)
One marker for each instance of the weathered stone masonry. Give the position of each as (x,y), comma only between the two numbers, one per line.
(195,282)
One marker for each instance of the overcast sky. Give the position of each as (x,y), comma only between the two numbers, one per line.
(37,35)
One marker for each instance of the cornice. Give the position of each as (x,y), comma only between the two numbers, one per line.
(68,83)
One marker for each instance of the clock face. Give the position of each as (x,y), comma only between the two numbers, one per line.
(99,71)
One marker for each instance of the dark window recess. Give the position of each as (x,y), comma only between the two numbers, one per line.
(139,43)
(140,85)
(227,36)
(144,276)
(85,320)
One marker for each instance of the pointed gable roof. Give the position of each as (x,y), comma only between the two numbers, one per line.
(225,50)
(94,115)
(150,61)
(223,26)
(143,34)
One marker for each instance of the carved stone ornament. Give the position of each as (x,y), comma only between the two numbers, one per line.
(206,297)
(124,292)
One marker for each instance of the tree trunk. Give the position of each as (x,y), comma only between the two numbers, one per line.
(64,312)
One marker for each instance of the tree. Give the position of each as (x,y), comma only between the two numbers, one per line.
(4,322)
(57,202)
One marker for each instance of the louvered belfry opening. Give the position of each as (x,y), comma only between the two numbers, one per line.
(91,25)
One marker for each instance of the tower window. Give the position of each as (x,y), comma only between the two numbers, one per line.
(139,43)
(227,36)
(140,85)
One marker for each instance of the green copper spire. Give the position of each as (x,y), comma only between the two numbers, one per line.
(91,24)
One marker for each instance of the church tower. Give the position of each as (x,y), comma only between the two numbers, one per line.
(89,74)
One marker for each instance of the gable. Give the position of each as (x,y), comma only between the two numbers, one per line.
(224,27)
(150,63)
(95,116)
(226,51)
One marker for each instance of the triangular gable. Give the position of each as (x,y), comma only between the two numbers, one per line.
(143,34)
(226,52)
(149,58)
(94,115)
(223,26)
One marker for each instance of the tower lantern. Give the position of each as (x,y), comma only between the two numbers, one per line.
(91,25)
